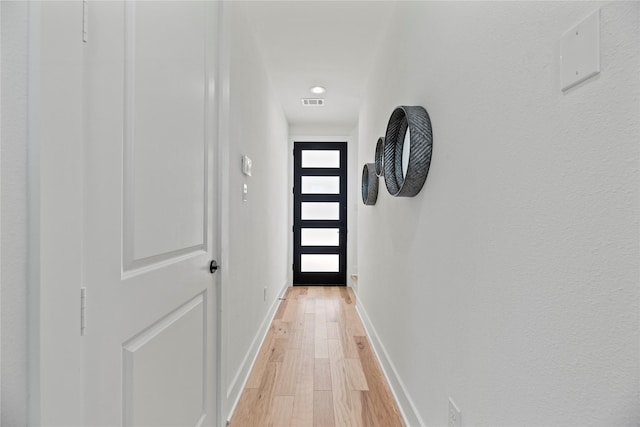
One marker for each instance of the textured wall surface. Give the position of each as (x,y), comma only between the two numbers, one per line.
(511,282)
(256,256)
(13,269)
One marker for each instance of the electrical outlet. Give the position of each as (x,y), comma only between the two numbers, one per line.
(455,416)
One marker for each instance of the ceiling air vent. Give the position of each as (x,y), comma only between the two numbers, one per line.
(313,102)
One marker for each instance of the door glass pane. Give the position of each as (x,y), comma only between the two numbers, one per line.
(320,210)
(320,185)
(320,263)
(320,158)
(320,237)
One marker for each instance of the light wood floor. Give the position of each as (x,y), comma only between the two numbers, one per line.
(316,368)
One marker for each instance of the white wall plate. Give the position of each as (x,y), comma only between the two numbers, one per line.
(246,165)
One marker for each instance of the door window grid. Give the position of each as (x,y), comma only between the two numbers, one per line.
(320,203)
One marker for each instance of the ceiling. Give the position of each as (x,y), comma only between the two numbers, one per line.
(325,43)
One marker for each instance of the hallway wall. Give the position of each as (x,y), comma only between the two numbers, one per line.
(255,234)
(14,214)
(510,283)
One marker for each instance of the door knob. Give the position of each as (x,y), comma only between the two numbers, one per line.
(213,267)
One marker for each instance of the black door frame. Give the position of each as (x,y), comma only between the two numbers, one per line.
(319,278)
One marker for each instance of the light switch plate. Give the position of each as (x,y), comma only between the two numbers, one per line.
(580,52)
(246,165)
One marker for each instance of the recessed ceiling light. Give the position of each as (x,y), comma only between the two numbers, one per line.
(318,90)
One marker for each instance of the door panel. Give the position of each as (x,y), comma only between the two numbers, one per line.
(312,263)
(156,359)
(320,210)
(320,185)
(149,349)
(320,213)
(320,237)
(164,201)
(320,158)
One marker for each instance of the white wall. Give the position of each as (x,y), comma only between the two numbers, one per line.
(510,283)
(255,237)
(14,216)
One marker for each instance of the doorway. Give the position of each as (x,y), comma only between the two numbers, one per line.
(125,236)
(320,213)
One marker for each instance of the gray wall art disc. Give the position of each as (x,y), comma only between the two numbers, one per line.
(369,184)
(407,150)
(380,156)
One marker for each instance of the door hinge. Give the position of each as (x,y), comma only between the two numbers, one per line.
(83,311)
(85,21)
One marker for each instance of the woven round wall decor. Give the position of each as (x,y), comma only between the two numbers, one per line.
(415,120)
(380,156)
(369,184)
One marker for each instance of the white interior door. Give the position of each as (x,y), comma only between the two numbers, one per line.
(149,200)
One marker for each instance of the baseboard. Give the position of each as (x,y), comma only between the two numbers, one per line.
(234,392)
(407,408)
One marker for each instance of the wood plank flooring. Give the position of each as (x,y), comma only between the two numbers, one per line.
(316,368)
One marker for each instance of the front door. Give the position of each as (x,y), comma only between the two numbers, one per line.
(320,213)
(149,177)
